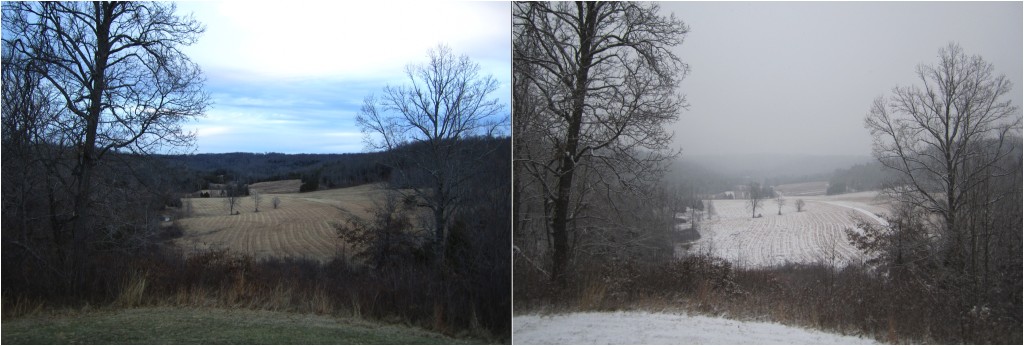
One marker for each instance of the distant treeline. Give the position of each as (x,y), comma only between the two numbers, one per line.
(699,180)
(198,171)
(317,171)
(862,177)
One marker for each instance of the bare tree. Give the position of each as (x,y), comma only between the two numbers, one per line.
(596,82)
(800,205)
(950,141)
(422,125)
(256,198)
(231,200)
(275,202)
(121,80)
(233,195)
(944,138)
(780,202)
(755,198)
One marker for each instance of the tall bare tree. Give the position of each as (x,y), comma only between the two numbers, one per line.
(423,123)
(120,78)
(953,142)
(598,82)
(945,137)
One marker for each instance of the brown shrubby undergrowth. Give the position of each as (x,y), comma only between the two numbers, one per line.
(218,278)
(854,300)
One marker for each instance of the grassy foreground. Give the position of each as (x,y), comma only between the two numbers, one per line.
(167,325)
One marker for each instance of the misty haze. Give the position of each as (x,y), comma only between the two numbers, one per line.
(752,173)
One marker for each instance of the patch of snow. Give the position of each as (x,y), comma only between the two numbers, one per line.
(878,219)
(662,328)
(816,235)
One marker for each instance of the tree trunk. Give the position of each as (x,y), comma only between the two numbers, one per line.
(439,241)
(560,212)
(87,151)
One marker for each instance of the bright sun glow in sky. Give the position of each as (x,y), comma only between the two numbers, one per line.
(290,77)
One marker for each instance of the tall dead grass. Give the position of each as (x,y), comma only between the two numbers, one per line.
(217,278)
(132,291)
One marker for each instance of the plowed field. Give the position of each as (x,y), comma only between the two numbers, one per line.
(816,235)
(299,227)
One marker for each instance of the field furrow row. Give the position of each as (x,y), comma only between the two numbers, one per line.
(299,227)
(816,235)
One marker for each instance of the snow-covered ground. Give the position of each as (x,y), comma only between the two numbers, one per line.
(816,235)
(661,328)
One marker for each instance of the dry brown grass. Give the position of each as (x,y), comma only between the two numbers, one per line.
(132,291)
(280,186)
(300,227)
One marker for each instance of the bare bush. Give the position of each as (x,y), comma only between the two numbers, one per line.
(388,238)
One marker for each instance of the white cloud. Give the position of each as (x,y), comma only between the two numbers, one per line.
(210,131)
(290,77)
(351,39)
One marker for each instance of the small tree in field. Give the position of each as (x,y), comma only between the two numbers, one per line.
(800,205)
(276,202)
(231,200)
(232,196)
(779,201)
(256,198)
(755,200)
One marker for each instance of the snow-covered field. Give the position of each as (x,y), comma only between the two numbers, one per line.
(816,235)
(661,328)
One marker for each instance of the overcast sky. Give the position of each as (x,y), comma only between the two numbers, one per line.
(290,77)
(766,77)
(799,77)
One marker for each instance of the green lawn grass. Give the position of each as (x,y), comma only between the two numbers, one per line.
(166,325)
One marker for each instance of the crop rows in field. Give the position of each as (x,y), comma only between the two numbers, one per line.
(816,235)
(299,227)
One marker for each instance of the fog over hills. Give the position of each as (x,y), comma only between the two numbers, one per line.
(767,166)
(715,173)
